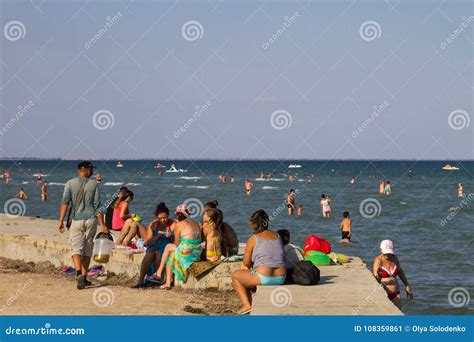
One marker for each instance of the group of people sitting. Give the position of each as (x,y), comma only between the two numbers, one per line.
(171,244)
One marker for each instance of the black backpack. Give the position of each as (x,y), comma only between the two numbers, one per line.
(305,273)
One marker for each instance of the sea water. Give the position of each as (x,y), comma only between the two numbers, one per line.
(431,227)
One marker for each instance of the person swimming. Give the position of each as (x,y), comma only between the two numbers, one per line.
(300,210)
(460,190)
(353,180)
(44,191)
(98,177)
(290,202)
(388,188)
(248,187)
(382,187)
(325,205)
(21,194)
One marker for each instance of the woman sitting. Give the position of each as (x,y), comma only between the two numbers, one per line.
(230,241)
(185,250)
(157,236)
(386,269)
(263,258)
(123,221)
(212,222)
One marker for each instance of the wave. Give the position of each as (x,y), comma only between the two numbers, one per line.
(54,183)
(42,175)
(113,183)
(198,186)
(190,178)
(133,184)
(177,186)
(269,179)
(269,187)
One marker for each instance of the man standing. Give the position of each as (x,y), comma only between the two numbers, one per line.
(82,193)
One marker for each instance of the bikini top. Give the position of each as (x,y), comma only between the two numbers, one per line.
(388,273)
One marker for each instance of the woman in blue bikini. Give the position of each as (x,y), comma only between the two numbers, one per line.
(264,261)
(158,235)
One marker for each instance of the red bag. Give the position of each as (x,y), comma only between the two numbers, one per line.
(315,243)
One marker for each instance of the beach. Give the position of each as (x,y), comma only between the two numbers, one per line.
(424,197)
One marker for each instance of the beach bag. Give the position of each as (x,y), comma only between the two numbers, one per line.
(315,243)
(305,273)
(318,258)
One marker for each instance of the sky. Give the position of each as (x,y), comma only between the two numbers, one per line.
(236,79)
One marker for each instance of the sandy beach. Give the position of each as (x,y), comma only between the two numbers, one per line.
(41,290)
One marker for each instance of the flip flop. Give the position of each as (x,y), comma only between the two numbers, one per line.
(167,288)
(94,272)
(154,280)
(245,312)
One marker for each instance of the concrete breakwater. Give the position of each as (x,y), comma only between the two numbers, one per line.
(343,290)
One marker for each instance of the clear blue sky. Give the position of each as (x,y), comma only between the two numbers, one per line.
(319,69)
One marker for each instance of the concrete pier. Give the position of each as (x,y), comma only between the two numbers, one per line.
(343,290)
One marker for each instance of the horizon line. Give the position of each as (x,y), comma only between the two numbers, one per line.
(225,159)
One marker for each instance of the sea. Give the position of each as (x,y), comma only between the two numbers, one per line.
(431,227)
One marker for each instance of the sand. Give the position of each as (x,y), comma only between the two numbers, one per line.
(40,289)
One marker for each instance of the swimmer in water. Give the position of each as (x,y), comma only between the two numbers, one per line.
(382,187)
(39,176)
(310,178)
(460,190)
(269,175)
(346,226)
(262,174)
(44,191)
(388,188)
(290,202)
(21,194)
(248,187)
(232,180)
(300,210)
(325,205)
(353,180)
(98,177)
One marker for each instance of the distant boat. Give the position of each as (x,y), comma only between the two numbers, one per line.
(119,164)
(294,166)
(448,167)
(174,169)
